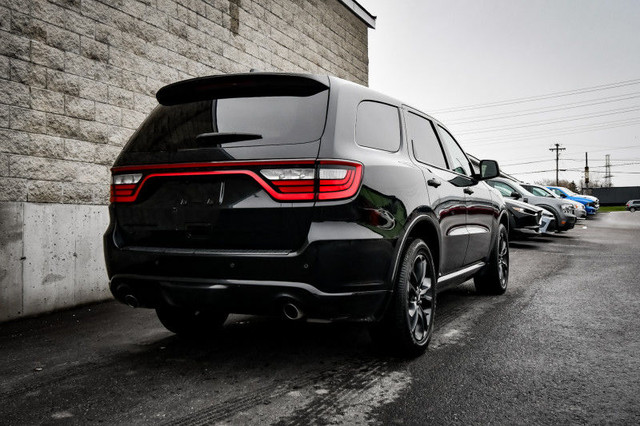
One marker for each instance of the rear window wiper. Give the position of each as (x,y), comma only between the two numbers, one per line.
(218,138)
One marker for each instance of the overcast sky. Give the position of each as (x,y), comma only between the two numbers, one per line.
(582,57)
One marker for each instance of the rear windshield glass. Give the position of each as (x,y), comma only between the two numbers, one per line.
(247,121)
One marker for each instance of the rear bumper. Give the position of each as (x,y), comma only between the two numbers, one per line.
(249,297)
(338,279)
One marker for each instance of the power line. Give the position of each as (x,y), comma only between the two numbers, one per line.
(623,164)
(572,169)
(535,111)
(547,122)
(527,162)
(524,163)
(540,97)
(556,132)
(537,171)
(616,149)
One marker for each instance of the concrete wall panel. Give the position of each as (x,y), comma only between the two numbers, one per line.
(10,260)
(49,264)
(62,262)
(90,272)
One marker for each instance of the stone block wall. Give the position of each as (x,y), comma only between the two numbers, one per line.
(78,76)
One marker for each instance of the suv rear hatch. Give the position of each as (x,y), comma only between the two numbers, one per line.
(227,163)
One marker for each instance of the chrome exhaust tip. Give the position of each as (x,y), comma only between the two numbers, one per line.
(291,311)
(131,300)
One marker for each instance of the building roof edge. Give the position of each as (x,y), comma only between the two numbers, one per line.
(360,12)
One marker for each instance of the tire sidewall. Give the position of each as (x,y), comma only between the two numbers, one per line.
(401,315)
(488,281)
(502,232)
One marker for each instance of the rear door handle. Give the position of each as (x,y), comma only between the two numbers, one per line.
(434,182)
(468,191)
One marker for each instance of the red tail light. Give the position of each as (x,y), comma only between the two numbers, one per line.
(283,180)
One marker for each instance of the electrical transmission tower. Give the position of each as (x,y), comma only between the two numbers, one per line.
(557,149)
(607,171)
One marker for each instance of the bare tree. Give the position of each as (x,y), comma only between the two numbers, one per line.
(562,182)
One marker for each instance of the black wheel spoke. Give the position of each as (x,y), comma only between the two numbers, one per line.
(420,326)
(425,286)
(420,300)
(413,292)
(414,319)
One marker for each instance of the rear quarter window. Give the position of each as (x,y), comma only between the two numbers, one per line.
(378,126)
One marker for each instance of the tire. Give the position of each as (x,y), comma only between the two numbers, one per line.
(190,322)
(512,226)
(632,209)
(494,277)
(407,326)
(557,218)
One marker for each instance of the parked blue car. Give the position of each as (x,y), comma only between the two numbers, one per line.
(591,204)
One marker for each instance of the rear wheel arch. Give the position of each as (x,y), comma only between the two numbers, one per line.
(504,219)
(425,227)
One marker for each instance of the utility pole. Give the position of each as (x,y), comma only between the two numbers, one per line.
(586,172)
(557,149)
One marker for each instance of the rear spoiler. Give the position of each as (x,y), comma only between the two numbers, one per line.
(241,86)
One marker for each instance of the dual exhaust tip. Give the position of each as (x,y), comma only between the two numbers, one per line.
(131,300)
(127,296)
(290,309)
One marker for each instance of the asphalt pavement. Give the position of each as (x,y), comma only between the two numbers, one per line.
(562,346)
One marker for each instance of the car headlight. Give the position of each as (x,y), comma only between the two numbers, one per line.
(518,209)
(567,208)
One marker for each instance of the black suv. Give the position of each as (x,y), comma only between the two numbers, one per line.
(303,196)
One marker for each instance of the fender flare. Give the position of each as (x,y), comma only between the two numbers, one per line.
(415,219)
(502,214)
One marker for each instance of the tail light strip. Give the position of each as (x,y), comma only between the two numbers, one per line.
(281,190)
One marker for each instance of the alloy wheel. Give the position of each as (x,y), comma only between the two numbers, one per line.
(503,260)
(420,299)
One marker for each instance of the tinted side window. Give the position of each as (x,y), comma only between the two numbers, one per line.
(539,192)
(504,189)
(378,126)
(460,164)
(426,146)
(557,191)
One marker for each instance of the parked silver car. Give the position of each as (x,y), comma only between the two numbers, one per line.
(541,191)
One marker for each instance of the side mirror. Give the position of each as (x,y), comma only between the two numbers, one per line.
(516,195)
(489,169)
(562,195)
